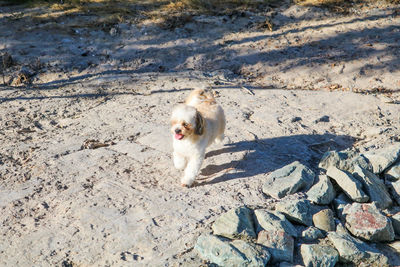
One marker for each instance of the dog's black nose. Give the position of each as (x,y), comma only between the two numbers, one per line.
(178,131)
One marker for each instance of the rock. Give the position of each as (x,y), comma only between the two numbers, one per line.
(374,187)
(324,118)
(218,251)
(295,209)
(236,223)
(288,180)
(393,173)
(395,245)
(322,192)
(350,186)
(312,233)
(395,190)
(383,158)
(390,251)
(396,222)
(344,160)
(288,264)
(273,220)
(353,250)
(340,203)
(367,222)
(256,255)
(324,220)
(236,253)
(279,244)
(319,256)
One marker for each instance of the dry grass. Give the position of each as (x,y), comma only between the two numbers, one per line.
(345,5)
(170,13)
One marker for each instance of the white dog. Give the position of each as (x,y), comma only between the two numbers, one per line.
(195,125)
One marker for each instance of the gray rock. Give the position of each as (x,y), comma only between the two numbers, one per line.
(296,210)
(383,158)
(367,222)
(322,192)
(393,173)
(396,222)
(350,185)
(236,223)
(312,233)
(256,255)
(279,244)
(288,264)
(236,253)
(219,251)
(319,256)
(344,160)
(340,203)
(273,220)
(324,220)
(374,187)
(288,180)
(395,190)
(354,250)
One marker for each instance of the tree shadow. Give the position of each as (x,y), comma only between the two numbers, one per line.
(266,155)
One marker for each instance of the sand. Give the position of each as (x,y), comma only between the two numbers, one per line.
(288,94)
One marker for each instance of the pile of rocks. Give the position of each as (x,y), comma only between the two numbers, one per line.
(347,214)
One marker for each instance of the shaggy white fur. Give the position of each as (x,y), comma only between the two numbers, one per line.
(195,125)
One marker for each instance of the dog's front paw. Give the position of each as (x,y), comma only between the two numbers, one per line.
(187,182)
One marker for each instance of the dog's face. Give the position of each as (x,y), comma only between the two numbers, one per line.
(186,121)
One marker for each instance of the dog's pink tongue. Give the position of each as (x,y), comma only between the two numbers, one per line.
(179,136)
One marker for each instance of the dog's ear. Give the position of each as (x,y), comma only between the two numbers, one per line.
(199,124)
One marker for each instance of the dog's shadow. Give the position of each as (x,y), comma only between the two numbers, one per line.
(261,156)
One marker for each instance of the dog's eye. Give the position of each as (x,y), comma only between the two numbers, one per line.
(185,124)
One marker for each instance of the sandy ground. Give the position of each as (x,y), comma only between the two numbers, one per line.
(121,204)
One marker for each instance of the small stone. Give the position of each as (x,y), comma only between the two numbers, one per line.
(296,210)
(322,192)
(395,190)
(383,158)
(290,179)
(322,119)
(367,222)
(273,220)
(279,244)
(374,187)
(319,256)
(235,224)
(324,220)
(295,119)
(395,245)
(354,250)
(393,173)
(113,31)
(343,160)
(288,264)
(218,251)
(396,222)
(312,233)
(350,186)
(340,203)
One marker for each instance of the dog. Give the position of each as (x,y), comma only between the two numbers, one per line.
(196,124)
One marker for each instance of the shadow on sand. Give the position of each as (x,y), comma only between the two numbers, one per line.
(265,155)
